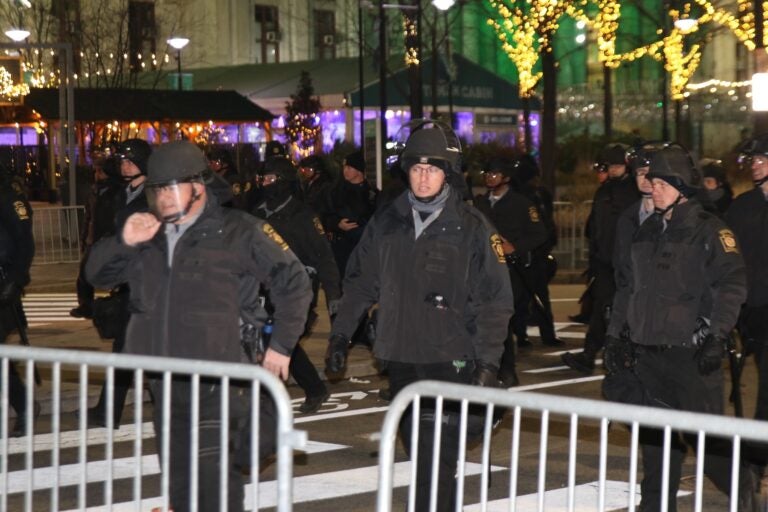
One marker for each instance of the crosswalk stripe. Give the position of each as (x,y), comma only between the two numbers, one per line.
(322,486)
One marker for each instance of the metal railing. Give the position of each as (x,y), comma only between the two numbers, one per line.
(57,234)
(572,249)
(571,423)
(72,369)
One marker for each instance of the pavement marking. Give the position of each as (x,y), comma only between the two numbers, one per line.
(598,362)
(322,486)
(43,308)
(585,499)
(557,383)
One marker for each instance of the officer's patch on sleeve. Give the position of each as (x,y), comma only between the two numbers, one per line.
(272,235)
(728,241)
(236,189)
(318,226)
(533,213)
(21,210)
(497,247)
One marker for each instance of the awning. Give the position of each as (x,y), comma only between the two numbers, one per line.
(472,86)
(150,105)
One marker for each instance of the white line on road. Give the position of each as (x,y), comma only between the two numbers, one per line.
(557,383)
(598,362)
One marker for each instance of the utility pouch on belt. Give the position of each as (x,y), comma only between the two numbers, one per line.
(110,313)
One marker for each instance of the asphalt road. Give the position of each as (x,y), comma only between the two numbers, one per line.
(339,470)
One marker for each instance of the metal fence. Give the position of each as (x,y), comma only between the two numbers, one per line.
(72,370)
(572,249)
(57,234)
(537,422)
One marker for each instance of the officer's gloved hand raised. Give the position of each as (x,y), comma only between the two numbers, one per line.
(336,354)
(485,375)
(139,228)
(9,292)
(709,355)
(618,355)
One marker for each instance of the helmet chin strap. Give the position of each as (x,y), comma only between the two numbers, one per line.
(174,217)
(664,211)
(759,183)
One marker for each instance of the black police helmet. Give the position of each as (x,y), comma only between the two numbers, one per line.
(430,146)
(640,155)
(674,165)
(280,167)
(505,166)
(614,154)
(525,169)
(176,161)
(313,162)
(137,151)
(712,168)
(274,148)
(221,155)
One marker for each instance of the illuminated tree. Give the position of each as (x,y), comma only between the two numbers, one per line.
(303,126)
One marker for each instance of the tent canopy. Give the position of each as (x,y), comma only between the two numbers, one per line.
(150,105)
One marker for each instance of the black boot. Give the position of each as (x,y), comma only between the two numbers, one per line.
(581,362)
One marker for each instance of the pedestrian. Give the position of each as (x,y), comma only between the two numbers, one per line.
(133,156)
(301,229)
(670,325)
(17,248)
(748,217)
(194,270)
(612,198)
(519,224)
(437,270)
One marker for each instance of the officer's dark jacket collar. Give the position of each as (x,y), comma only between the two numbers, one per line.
(685,213)
(210,220)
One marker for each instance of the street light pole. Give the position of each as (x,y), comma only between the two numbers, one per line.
(178,43)
(361,79)
(761,65)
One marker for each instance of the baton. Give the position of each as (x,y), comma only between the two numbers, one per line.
(23,333)
(536,299)
(736,362)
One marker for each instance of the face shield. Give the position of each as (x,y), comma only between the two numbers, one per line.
(172,201)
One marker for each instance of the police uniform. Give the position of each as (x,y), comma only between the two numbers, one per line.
(519,222)
(189,304)
(303,232)
(673,311)
(748,217)
(437,270)
(17,248)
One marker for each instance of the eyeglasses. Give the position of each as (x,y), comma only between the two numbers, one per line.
(429,170)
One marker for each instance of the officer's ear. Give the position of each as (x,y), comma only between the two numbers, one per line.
(198,189)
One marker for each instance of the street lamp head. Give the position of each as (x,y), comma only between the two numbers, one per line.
(178,42)
(686,25)
(17,34)
(443,5)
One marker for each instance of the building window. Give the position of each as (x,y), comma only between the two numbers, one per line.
(267,34)
(141,34)
(325,34)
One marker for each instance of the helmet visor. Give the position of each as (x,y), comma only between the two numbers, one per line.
(171,201)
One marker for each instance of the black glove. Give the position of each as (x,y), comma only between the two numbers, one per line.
(485,375)
(618,355)
(709,355)
(9,292)
(336,354)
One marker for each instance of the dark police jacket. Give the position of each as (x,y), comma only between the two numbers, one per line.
(748,217)
(611,199)
(17,247)
(692,269)
(192,309)
(442,297)
(516,219)
(304,233)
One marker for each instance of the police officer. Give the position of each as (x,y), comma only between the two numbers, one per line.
(315,182)
(350,204)
(194,271)
(748,217)
(302,230)
(519,225)
(133,156)
(437,270)
(716,190)
(614,196)
(17,249)
(220,162)
(671,320)
(543,265)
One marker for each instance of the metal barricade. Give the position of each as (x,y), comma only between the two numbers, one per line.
(57,234)
(565,223)
(72,451)
(536,423)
